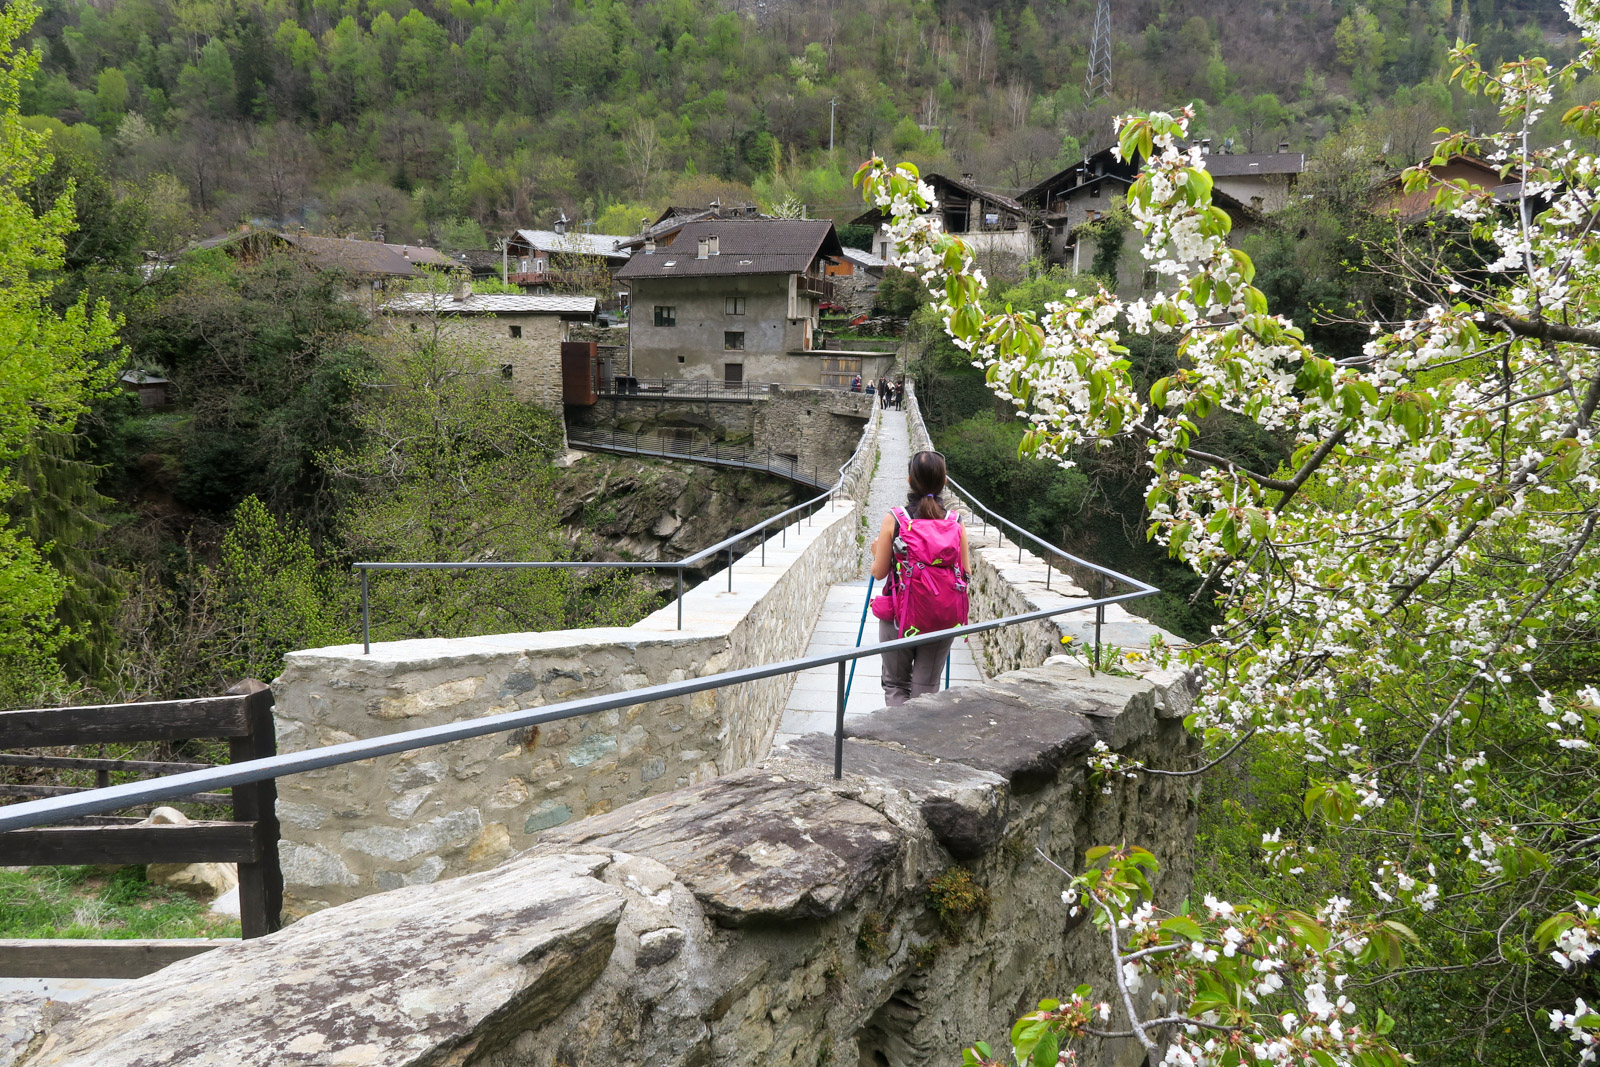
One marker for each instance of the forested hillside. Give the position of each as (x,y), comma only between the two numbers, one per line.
(450,121)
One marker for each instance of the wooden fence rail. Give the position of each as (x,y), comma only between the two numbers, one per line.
(243,717)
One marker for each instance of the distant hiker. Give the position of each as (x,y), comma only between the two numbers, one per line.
(921,556)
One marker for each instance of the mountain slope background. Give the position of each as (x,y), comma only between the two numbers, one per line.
(450,122)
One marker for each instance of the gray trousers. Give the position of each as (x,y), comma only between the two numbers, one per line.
(911,672)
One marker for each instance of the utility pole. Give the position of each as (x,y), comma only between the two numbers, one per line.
(831,104)
(1097,82)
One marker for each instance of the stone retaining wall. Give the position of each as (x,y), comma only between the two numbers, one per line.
(771,916)
(1006,582)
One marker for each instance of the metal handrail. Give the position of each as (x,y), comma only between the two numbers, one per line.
(113,798)
(745,457)
(726,545)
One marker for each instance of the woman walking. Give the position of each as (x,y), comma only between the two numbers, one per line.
(921,556)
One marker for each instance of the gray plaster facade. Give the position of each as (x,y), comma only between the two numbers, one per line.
(762,312)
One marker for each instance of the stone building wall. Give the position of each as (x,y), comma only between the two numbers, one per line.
(819,427)
(534,358)
(771,916)
(416,817)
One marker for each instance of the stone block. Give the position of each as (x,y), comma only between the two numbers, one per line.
(1010,734)
(424,975)
(751,846)
(964,807)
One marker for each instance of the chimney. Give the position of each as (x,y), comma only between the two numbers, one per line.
(649,246)
(803,211)
(1283,148)
(561,224)
(462,290)
(701,250)
(714,245)
(1205,146)
(377,235)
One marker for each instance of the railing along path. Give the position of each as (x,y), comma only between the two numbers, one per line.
(116,797)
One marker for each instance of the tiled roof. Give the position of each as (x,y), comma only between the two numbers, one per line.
(747,246)
(1233,166)
(588,244)
(491,304)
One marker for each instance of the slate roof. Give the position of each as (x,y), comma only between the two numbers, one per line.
(588,244)
(864,259)
(479,260)
(422,255)
(491,304)
(748,246)
(1233,166)
(976,193)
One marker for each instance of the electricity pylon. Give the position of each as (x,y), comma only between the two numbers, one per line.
(1097,83)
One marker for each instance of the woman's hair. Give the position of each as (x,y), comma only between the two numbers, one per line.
(927,483)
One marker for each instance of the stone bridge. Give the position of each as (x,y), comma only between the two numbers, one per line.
(682,883)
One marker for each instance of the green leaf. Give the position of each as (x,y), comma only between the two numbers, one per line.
(1047,1051)
(1184,927)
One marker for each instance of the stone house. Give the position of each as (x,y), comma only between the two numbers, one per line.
(1262,181)
(734,300)
(855,277)
(998,228)
(521,335)
(1246,186)
(563,260)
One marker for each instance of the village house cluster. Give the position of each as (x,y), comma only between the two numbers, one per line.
(731,298)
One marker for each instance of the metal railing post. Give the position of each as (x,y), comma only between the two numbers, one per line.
(680,598)
(366,618)
(730,570)
(838,728)
(1099,619)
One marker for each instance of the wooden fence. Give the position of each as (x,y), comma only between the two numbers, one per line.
(243,717)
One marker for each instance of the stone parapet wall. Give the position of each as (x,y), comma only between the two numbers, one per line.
(416,817)
(1008,582)
(770,916)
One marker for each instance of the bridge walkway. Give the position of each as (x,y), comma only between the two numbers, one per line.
(813,699)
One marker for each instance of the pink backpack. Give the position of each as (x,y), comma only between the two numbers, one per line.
(927,588)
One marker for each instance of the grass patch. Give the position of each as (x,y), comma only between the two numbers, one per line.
(97,902)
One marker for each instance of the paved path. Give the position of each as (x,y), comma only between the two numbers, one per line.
(813,699)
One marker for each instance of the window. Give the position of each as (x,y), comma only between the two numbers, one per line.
(516,333)
(682,360)
(733,339)
(1149,279)
(734,305)
(666,316)
(505,371)
(733,374)
(1095,191)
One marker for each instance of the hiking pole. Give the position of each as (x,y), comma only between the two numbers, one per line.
(860,632)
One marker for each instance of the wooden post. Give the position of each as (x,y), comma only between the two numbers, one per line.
(261,882)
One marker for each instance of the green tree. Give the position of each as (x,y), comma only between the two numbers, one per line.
(452,468)
(48,370)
